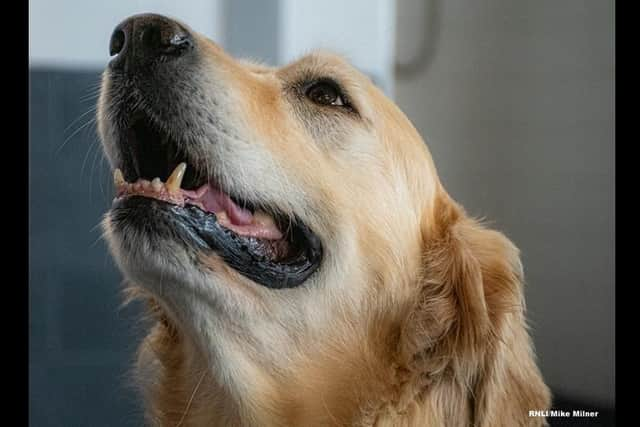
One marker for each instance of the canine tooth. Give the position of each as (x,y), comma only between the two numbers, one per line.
(136,186)
(146,184)
(175,180)
(118,178)
(156,184)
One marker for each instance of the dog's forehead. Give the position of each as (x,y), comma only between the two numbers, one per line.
(320,63)
(256,66)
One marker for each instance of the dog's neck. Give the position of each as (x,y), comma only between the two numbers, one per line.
(183,388)
(328,373)
(345,375)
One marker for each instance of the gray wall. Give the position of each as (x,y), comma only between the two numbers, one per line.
(81,342)
(516,102)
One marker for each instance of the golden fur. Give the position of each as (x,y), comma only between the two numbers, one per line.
(417,319)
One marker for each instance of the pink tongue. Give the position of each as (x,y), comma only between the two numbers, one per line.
(238,219)
(215,200)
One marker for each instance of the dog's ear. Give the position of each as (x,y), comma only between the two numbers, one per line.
(451,307)
(468,317)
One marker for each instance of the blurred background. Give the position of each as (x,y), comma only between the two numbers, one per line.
(514,98)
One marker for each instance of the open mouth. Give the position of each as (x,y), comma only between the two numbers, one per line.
(157,189)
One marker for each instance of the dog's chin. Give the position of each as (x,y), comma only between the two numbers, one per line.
(149,261)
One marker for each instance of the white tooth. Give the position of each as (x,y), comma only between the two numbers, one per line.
(175,180)
(136,186)
(263,218)
(146,184)
(118,178)
(222,217)
(156,184)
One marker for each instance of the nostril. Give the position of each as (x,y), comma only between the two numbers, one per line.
(117,42)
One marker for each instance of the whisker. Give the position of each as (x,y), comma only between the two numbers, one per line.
(102,164)
(95,226)
(93,143)
(93,168)
(74,134)
(90,97)
(100,237)
(91,110)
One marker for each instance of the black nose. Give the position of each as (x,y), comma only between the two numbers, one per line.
(141,39)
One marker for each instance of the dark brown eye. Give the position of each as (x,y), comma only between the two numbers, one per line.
(325,93)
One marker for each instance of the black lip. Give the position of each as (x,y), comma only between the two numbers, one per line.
(200,230)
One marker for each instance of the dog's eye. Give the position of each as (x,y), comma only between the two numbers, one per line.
(325,93)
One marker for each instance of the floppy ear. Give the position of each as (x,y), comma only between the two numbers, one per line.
(468,320)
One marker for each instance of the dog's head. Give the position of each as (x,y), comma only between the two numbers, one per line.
(302,184)
(286,218)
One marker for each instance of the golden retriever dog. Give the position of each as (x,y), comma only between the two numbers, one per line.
(303,264)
